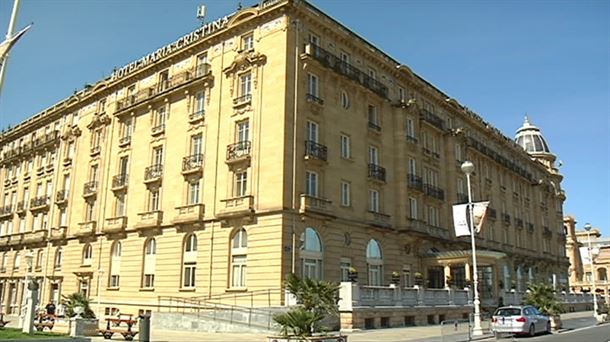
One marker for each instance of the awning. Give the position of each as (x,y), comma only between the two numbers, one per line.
(463,254)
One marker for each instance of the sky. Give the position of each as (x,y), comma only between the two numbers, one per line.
(502,59)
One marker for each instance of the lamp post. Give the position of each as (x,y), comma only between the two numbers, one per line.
(468,168)
(588,229)
(100,274)
(31,295)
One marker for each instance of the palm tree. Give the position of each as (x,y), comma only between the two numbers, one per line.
(316,299)
(543,297)
(78,299)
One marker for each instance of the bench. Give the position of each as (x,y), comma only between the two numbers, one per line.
(2,321)
(44,321)
(127,334)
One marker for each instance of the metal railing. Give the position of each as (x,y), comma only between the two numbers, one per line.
(375,127)
(120,180)
(90,188)
(153,171)
(247,98)
(314,98)
(238,150)
(192,162)
(376,172)
(432,118)
(315,150)
(414,181)
(200,114)
(434,191)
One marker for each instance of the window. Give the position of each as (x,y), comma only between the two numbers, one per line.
(314,39)
(344,100)
(401,94)
(406,275)
(373,155)
(59,258)
(126,128)
(239,250)
(39,258)
(346,148)
(193,192)
(199,103)
(17,261)
(374,260)
(154,200)
(115,264)
(159,121)
(346,199)
(412,166)
(124,165)
(247,42)
(373,115)
(344,56)
(245,85)
(313,85)
(372,73)
(93,173)
(431,177)
(241,184)
(157,155)
(311,254)
(373,201)
(4,261)
(410,129)
(311,183)
(189,261)
(150,251)
(413,208)
(312,131)
(433,216)
(202,61)
(242,131)
(87,255)
(90,211)
(163,80)
(119,209)
(345,266)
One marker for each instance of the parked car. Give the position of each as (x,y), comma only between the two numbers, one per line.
(522,319)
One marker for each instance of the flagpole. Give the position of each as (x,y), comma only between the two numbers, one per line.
(468,168)
(9,35)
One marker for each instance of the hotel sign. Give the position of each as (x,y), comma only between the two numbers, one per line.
(182,42)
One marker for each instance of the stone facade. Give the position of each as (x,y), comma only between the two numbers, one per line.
(273,141)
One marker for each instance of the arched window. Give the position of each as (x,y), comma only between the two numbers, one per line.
(239,251)
(17,261)
(189,261)
(39,259)
(115,264)
(59,258)
(150,254)
(87,255)
(374,261)
(311,254)
(4,261)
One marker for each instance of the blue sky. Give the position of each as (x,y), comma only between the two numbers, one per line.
(502,59)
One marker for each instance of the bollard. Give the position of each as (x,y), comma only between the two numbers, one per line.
(144,332)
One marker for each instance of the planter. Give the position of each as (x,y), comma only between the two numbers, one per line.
(556,322)
(83,327)
(352,276)
(601,318)
(395,280)
(326,338)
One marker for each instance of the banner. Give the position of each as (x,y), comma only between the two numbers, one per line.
(461,217)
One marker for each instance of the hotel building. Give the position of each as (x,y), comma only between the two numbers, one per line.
(270,141)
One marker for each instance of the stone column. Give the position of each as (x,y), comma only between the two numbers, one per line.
(446,274)
(30,306)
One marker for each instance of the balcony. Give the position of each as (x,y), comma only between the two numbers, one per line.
(35,236)
(124,141)
(376,172)
(519,223)
(61,197)
(22,206)
(159,129)
(6,211)
(4,239)
(86,228)
(192,164)
(90,189)
(434,191)
(236,207)
(506,218)
(115,224)
(242,100)
(427,229)
(39,203)
(314,204)
(411,139)
(335,63)
(313,150)
(95,150)
(149,220)
(238,152)
(197,116)
(119,182)
(414,182)
(58,233)
(462,198)
(189,214)
(432,119)
(148,93)
(378,219)
(374,127)
(15,239)
(153,173)
(314,99)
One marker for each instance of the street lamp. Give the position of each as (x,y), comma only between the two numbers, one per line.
(468,168)
(100,274)
(588,229)
(31,294)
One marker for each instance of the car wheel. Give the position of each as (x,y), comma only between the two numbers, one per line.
(548,327)
(532,331)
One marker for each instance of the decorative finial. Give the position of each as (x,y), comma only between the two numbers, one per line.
(239,6)
(527,121)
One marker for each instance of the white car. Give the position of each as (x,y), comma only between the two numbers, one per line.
(519,320)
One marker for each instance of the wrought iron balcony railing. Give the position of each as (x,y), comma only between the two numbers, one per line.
(198,115)
(315,150)
(376,172)
(314,98)
(238,150)
(432,118)
(240,100)
(192,162)
(90,188)
(434,191)
(414,182)
(120,180)
(153,172)
(375,127)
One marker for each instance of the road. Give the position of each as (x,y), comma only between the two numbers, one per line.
(600,333)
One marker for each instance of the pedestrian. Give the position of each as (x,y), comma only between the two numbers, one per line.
(50,309)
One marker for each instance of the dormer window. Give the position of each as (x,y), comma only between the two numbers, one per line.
(247,42)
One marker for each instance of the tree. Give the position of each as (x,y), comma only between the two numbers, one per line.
(78,299)
(315,298)
(543,297)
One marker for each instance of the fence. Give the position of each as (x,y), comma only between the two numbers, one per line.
(462,329)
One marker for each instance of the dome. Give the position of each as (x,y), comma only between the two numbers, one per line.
(530,139)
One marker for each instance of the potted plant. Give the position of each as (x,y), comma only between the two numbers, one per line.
(395,278)
(79,310)
(543,297)
(316,300)
(419,278)
(352,275)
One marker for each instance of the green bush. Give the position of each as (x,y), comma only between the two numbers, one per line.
(543,297)
(78,299)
